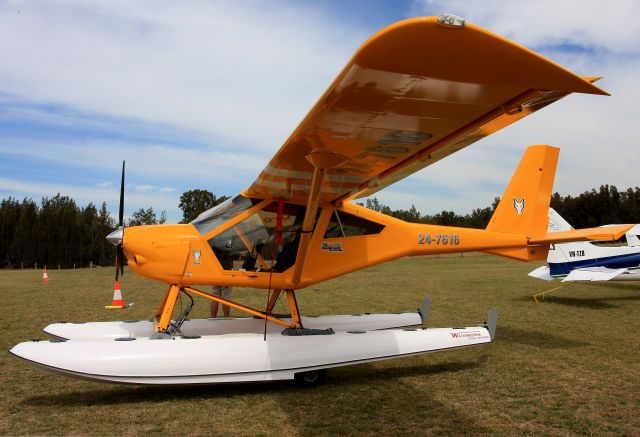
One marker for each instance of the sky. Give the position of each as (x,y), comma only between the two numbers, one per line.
(201,94)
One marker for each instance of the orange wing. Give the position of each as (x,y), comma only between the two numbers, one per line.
(414,93)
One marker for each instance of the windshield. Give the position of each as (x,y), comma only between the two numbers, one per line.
(249,245)
(219,214)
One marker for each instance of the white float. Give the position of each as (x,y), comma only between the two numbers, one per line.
(144,328)
(239,357)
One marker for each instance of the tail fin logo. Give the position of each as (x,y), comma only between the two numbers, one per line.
(518,205)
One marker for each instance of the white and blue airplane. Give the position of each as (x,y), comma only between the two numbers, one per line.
(588,261)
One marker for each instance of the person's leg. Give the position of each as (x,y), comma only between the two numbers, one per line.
(214,309)
(226,293)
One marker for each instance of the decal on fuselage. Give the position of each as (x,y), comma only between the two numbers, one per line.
(439,239)
(197,253)
(331,246)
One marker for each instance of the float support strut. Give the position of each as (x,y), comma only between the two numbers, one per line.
(244,308)
(293,307)
(272,301)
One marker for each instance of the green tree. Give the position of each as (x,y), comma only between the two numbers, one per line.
(479,218)
(104,251)
(146,217)
(9,218)
(24,246)
(194,202)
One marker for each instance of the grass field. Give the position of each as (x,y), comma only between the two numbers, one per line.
(568,366)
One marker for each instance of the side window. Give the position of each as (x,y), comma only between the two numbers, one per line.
(347,225)
(249,245)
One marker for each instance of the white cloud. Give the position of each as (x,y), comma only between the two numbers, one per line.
(585,23)
(84,195)
(243,70)
(206,165)
(245,73)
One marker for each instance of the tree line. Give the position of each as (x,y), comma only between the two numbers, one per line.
(589,209)
(58,232)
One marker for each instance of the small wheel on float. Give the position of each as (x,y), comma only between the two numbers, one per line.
(311,378)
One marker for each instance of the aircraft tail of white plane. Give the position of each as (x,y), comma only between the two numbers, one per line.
(632,236)
(557,223)
(586,261)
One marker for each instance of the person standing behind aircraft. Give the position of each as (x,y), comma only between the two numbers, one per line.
(222,291)
(225,293)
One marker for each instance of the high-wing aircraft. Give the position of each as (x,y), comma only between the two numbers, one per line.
(414,93)
(588,261)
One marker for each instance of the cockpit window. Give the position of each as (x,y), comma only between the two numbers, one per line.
(249,245)
(219,214)
(347,225)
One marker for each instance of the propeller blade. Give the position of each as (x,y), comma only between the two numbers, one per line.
(121,210)
(120,257)
(119,249)
(117,262)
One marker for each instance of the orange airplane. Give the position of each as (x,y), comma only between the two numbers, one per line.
(414,93)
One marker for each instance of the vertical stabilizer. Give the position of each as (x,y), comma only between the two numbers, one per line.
(557,223)
(524,206)
(632,236)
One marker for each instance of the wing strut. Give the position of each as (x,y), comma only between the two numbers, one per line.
(322,160)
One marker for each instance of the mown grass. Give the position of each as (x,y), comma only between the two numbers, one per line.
(568,366)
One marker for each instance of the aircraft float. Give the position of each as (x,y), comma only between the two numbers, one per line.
(588,261)
(413,94)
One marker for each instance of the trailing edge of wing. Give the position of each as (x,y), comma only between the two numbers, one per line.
(414,93)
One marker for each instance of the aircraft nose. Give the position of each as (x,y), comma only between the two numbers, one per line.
(159,252)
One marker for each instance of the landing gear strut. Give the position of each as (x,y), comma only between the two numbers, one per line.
(163,315)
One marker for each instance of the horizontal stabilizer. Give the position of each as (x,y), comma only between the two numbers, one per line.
(593,274)
(606,233)
(541,273)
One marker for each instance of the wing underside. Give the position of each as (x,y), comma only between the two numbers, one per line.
(414,93)
(593,274)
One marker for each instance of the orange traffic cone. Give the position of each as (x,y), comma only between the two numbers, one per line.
(45,276)
(116,303)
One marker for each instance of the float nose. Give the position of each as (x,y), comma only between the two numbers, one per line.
(115,237)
